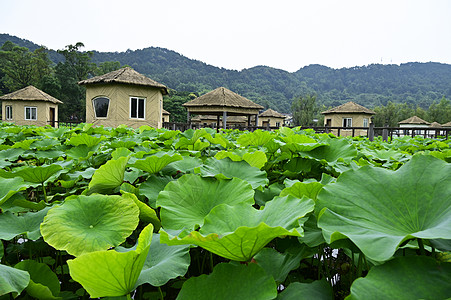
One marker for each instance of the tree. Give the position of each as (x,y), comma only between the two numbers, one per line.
(173,104)
(304,110)
(440,112)
(76,67)
(21,68)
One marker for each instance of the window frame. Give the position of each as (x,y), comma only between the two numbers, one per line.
(35,108)
(94,107)
(137,108)
(8,112)
(347,122)
(366,120)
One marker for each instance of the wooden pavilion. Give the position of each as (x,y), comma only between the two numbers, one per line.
(223,102)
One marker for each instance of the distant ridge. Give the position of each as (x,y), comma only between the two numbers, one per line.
(413,83)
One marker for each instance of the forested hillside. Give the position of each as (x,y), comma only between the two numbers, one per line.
(417,84)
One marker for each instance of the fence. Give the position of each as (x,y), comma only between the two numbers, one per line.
(369,132)
(70,124)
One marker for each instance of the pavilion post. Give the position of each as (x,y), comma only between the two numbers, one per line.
(224,119)
(188,117)
(217,122)
(256,120)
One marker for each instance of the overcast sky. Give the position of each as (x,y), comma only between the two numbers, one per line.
(238,34)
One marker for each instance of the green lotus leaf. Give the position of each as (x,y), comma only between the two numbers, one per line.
(410,277)
(37,174)
(85,139)
(146,214)
(81,152)
(267,194)
(185,203)
(12,280)
(45,144)
(164,263)
(111,273)
(277,264)
(155,163)
(226,168)
(256,138)
(218,140)
(49,154)
(300,143)
(120,152)
(109,176)
(44,284)
(9,187)
(320,290)
(300,189)
(238,232)
(232,155)
(230,281)
(152,187)
(2,250)
(12,225)
(378,209)
(25,144)
(11,154)
(101,222)
(186,165)
(337,149)
(255,159)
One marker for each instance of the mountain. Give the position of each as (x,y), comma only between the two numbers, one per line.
(418,84)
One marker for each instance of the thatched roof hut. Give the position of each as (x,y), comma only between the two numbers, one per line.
(435,125)
(125,75)
(30,106)
(270,113)
(349,108)
(124,97)
(446,125)
(30,93)
(222,101)
(414,121)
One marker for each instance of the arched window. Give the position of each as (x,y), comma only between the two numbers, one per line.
(101,105)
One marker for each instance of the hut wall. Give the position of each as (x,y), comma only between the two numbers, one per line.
(337,121)
(119,107)
(18,113)
(272,121)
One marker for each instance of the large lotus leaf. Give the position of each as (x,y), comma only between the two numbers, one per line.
(255,159)
(85,139)
(49,154)
(239,232)
(300,189)
(12,280)
(155,163)
(152,187)
(378,209)
(81,151)
(146,214)
(11,154)
(186,165)
(256,138)
(10,186)
(337,149)
(410,277)
(2,250)
(90,223)
(37,174)
(318,290)
(109,176)
(111,273)
(218,139)
(185,202)
(12,225)
(230,281)
(45,144)
(164,263)
(300,143)
(44,284)
(277,264)
(226,168)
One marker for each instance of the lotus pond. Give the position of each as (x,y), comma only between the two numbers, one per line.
(157,214)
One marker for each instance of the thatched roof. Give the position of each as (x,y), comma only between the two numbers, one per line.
(222,97)
(230,119)
(270,113)
(349,108)
(414,120)
(125,75)
(435,125)
(165,112)
(30,93)
(446,124)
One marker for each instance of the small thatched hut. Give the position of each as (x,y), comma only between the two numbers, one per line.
(223,102)
(271,118)
(414,122)
(166,116)
(349,114)
(125,97)
(30,106)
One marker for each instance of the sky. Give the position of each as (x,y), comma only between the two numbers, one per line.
(240,34)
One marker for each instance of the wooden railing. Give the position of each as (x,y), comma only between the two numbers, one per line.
(369,132)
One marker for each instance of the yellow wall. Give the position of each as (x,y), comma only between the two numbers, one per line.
(272,121)
(18,106)
(357,121)
(119,108)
